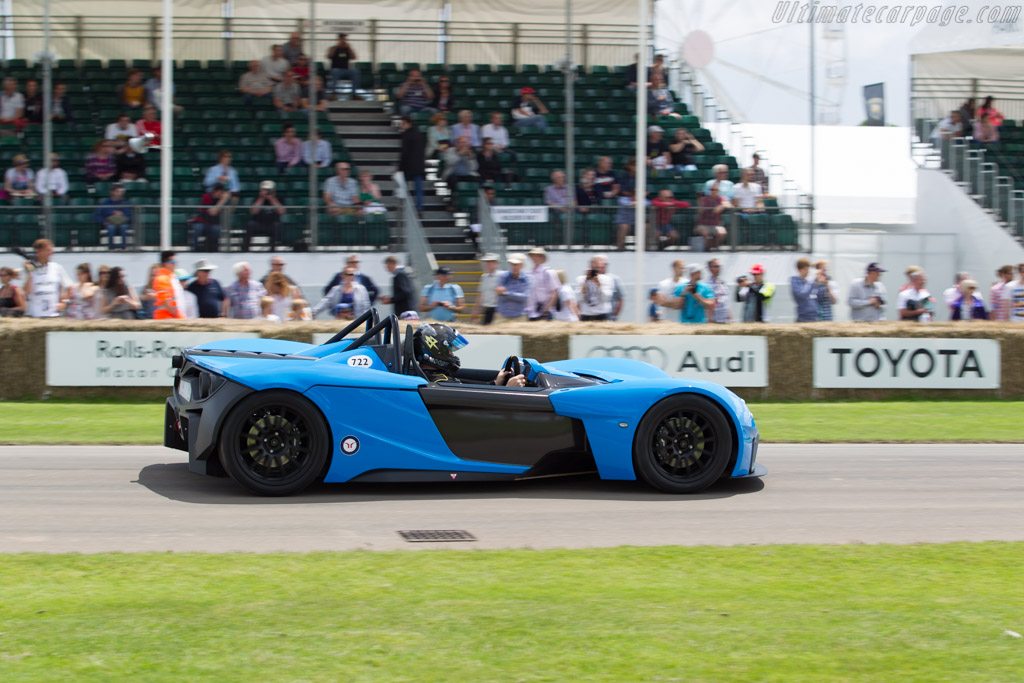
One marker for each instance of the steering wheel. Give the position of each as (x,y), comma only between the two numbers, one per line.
(513,365)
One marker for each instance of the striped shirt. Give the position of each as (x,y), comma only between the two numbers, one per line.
(95,165)
(720,313)
(244,299)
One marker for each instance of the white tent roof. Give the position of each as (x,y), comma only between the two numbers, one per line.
(975,50)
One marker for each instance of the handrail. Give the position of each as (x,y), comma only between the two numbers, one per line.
(492,241)
(421,260)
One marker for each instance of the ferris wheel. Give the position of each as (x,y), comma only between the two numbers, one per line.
(757,68)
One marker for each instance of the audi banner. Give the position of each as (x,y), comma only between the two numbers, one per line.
(729,360)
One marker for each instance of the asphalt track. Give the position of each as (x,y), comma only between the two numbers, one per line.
(132,499)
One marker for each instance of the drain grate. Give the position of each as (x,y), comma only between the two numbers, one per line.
(436,535)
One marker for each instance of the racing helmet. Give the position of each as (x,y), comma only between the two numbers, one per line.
(436,344)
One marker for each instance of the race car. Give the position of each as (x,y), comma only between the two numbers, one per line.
(277,416)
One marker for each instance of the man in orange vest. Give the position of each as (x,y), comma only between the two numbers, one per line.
(169,295)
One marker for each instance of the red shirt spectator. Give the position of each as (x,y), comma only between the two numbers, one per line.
(149,124)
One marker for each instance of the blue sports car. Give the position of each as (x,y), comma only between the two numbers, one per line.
(277,416)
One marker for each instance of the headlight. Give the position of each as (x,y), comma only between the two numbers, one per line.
(185,389)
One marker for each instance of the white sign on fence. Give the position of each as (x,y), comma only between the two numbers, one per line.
(483,351)
(730,360)
(340,26)
(111,359)
(906,363)
(519,214)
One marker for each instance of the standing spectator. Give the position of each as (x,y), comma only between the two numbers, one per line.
(721,313)
(274,66)
(498,133)
(657,68)
(114,214)
(487,296)
(403,294)
(412,158)
(658,157)
(466,127)
(277,266)
(414,95)
(804,292)
(556,195)
(341,192)
(222,173)
(915,303)
(565,309)
(100,165)
(341,55)
(442,299)
(254,84)
(242,297)
(130,164)
(133,92)
(1016,296)
(282,293)
(725,186)
(985,132)
(208,292)
(747,195)
(867,296)
(665,205)
(659,98)
(292,50)
(148,296)
(267,310)
(606,182)
(300,312)
(19,180)
(287,95)
(988,109)
(12,297)
(12,104)
(122,130)
(529,111)
(460,165)
(827,292)
(60,106)
(119,299)
(1000,293)
(667,287)
(625,217)
(150,124)
(951,294)
(757,174)
(544,286)
(53,180)
(346,300)
(443,99)
(594,293)
(967,113)
(80,297)
(694,299)
(264,216)
(46,283)
(206,225)
(682,150)
(587,195)
(618,293)
(287,150)
(352,261)
(438,136)
(512,290)
(711,212)
(168,296)
(188,304)
(969,305)
(324,152)
(33,102)
(755,295)
(632,74)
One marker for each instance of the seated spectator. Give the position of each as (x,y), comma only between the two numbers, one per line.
(438,136)
(460,165)
(985,133)
(133,92)
(222,173)
(625,217)
(556,195)
(341,192)
(150,124)
(292,50)
(347,300)
(254,84)
(993,114)
(414,95)
(131,165)
(53,181)
(721,179)
(287,95)
(300,70)
(100,165)
(264,216)
(682,150)
(659,98)
(529,111)
(968,305)
(12,297)
(114,214)
(711,218)
(122,130)
(657,70)
(33,102)
(606,182)
(369,193)
(208,292)
(287,150)
(321,96)
(154,90)
(274,66)
(19,180)
(282,292)
(60,106)
(242,297)
(342,55)
(498,133)
(324,153)
(747,195)
(658,157)
(587,194)
(206,225)
(466,127)
(12,104)
(631,74)
(116,298)
(443,99)
(665,207)
(950,127)
(489,165)
(757,174)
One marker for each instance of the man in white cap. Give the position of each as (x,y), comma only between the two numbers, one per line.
(694,299)
(487,297)
(512,290)
(544,286)
(208,292)
(264,216)
(658,156)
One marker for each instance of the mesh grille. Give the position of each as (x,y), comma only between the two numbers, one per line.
(436,535)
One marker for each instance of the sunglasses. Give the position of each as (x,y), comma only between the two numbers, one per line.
(104,272)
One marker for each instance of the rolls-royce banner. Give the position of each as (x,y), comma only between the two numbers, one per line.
(730,360)
(108,359)
(483,350)
(906,363)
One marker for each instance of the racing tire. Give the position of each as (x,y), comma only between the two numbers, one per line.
(275,443)
(683,444)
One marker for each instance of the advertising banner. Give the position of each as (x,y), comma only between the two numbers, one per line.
(519,214)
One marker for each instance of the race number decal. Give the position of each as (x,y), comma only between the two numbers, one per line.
(350,445)
(360,361)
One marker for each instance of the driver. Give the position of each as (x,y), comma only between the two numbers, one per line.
(435,345)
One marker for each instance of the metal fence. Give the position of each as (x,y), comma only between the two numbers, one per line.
(935,98)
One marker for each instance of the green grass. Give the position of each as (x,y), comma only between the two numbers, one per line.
(782,613)
(56,422)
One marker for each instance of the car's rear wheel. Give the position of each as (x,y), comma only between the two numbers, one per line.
(275,443)
(683,444)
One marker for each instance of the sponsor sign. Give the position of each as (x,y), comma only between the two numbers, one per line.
(343,26)
(131,359)
(901,363)
(483,351)
(519,214)
(729,360)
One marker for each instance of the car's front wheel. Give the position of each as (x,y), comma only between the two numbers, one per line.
(275,443)
(683,444)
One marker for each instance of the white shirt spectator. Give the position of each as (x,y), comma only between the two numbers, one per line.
(946,128)
(916,295)
(1015,293)
(324,153)
(56,178)
(950,295)
(274,68)
(116,132)
(488,285)
(10,106)
(189,304)
(497,134)
(48,282)
(746,197)
(562,311)
(595,298)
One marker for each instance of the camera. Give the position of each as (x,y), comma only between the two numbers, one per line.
(741,279)
(880,299)
(591,274)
